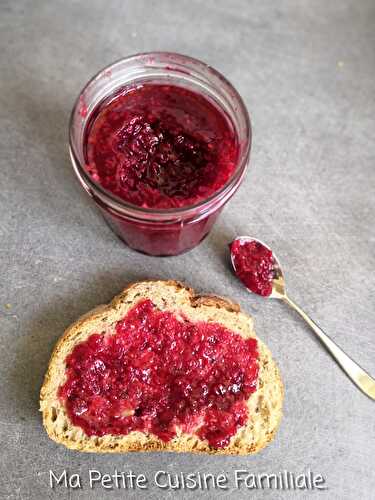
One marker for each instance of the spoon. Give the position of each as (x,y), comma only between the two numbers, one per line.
(359,376)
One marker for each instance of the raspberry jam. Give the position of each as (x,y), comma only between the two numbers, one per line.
(254,265)
(161,143)
(158,372)
(160,146)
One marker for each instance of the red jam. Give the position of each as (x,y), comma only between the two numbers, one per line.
(160,146)
(158,372)
(254,265)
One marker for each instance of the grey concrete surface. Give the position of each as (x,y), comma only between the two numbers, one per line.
(306,70)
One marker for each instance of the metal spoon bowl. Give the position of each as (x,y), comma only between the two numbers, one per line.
(358,376)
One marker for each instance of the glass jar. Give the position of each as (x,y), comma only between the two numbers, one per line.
(160,231)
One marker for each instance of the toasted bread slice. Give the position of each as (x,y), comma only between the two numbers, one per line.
(264,405)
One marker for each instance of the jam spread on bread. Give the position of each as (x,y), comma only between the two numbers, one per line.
(160,146)
(254,265)
(159,372)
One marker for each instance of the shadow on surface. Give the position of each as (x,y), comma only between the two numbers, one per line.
(40,120)
(218,241)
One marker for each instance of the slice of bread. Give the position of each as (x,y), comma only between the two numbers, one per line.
(264,405)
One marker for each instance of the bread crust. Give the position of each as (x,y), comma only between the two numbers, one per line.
(264,406)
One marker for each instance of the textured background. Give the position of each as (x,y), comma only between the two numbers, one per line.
(306,70)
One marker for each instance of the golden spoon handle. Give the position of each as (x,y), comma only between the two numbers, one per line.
(361,378)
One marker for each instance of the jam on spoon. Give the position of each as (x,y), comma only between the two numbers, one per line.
(254,265)
(259,270)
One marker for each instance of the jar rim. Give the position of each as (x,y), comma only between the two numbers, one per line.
(120,205)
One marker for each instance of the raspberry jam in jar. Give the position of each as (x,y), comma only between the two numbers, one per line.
(161,142)
(160,146)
